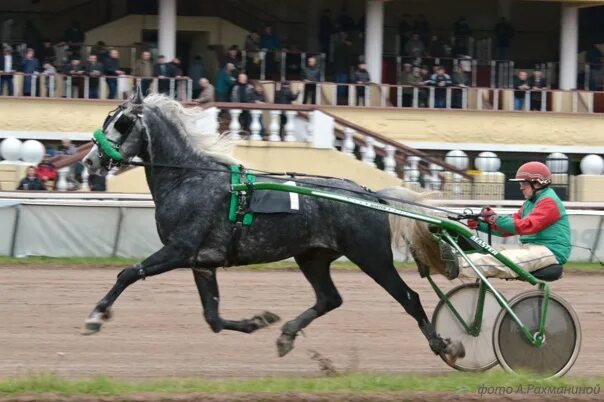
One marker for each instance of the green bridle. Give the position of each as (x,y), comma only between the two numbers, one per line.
(110,149)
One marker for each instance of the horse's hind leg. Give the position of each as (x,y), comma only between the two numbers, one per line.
(315,266)
(205,279)
(378,265)
(165,259)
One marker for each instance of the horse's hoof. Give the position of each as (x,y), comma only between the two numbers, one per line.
(91,327)
(285,344)
(456,350)
(265,319)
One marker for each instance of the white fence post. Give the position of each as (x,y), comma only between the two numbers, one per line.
(235,126)
(389,161)
(274,126)
(290,126)
(369,151)
(255,126)
(348,143)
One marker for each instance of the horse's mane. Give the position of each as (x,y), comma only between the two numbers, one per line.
(215,145)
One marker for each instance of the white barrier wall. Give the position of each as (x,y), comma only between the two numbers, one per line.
(64,228)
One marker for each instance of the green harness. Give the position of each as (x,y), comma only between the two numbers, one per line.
(240,200)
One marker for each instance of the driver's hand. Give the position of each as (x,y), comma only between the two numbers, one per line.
(489,215)
(473,224)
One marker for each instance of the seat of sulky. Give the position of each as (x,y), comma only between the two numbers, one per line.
(549,273)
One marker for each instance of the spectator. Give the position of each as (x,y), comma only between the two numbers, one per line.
(311,75)
(46,171)
(179,85)
(415,48)
(404,32)
(74,71)
(342,61)
(325,31)
(521,85)
(415,78)
(143,68)
(233,56)
(93,70)
(244,92)
(252,42)
(195,73)
(504,32)
(285,96)
(344,22)
(101,52)
(7,68)
(259,92)
(112,70)
(50,72)
(224,83)
(461,32)
(460,79)
(270,42)
(437,48)
(48,52)
(163,71)
(440,79)
(97,183)
(29,66)
(206,93)
(252,57)
(361,78)
(66,147)
(31,181)
(593,57)
(74,37)
(422,27)
(537,84)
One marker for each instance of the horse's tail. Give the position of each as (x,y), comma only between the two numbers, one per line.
(412,233)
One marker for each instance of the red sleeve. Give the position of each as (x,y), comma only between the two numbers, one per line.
(544,214)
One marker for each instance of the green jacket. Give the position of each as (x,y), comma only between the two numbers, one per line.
(541,220)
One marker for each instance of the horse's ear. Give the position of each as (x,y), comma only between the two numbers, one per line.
(138,96)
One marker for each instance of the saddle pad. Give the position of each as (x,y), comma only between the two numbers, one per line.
(271,202)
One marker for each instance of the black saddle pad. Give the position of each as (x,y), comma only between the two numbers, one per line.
(274,202)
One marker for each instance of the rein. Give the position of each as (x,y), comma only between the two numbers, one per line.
(112,151)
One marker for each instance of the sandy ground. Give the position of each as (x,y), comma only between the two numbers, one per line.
(158,328)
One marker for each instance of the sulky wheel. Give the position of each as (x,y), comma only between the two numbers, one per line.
(562,336)
(479,348)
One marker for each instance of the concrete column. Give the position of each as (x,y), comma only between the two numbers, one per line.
(569,43)
(374,39)
(167,28)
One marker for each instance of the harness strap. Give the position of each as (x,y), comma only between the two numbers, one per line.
(239,212)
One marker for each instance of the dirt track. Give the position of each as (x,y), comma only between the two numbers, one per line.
(158,329)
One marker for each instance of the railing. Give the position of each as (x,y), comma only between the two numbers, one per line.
(86,87)
(279,65)
(307,124)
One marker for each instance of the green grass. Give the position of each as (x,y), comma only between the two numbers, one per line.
(454,382)
(281,265)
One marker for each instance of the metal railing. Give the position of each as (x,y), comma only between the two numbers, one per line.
(81,86)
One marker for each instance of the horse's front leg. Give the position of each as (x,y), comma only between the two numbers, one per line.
(166,259)
(205,279)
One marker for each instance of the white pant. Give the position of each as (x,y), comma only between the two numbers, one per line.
(530,257)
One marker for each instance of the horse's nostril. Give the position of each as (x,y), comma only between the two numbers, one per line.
(88,162)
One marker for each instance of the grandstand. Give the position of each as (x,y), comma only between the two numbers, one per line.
(376,93)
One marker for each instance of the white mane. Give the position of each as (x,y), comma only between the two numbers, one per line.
(216,145)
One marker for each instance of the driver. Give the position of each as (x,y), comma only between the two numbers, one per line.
(541,223)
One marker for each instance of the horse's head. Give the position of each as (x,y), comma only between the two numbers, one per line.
(121,137)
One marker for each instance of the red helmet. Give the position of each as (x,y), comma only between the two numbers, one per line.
(534,172)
